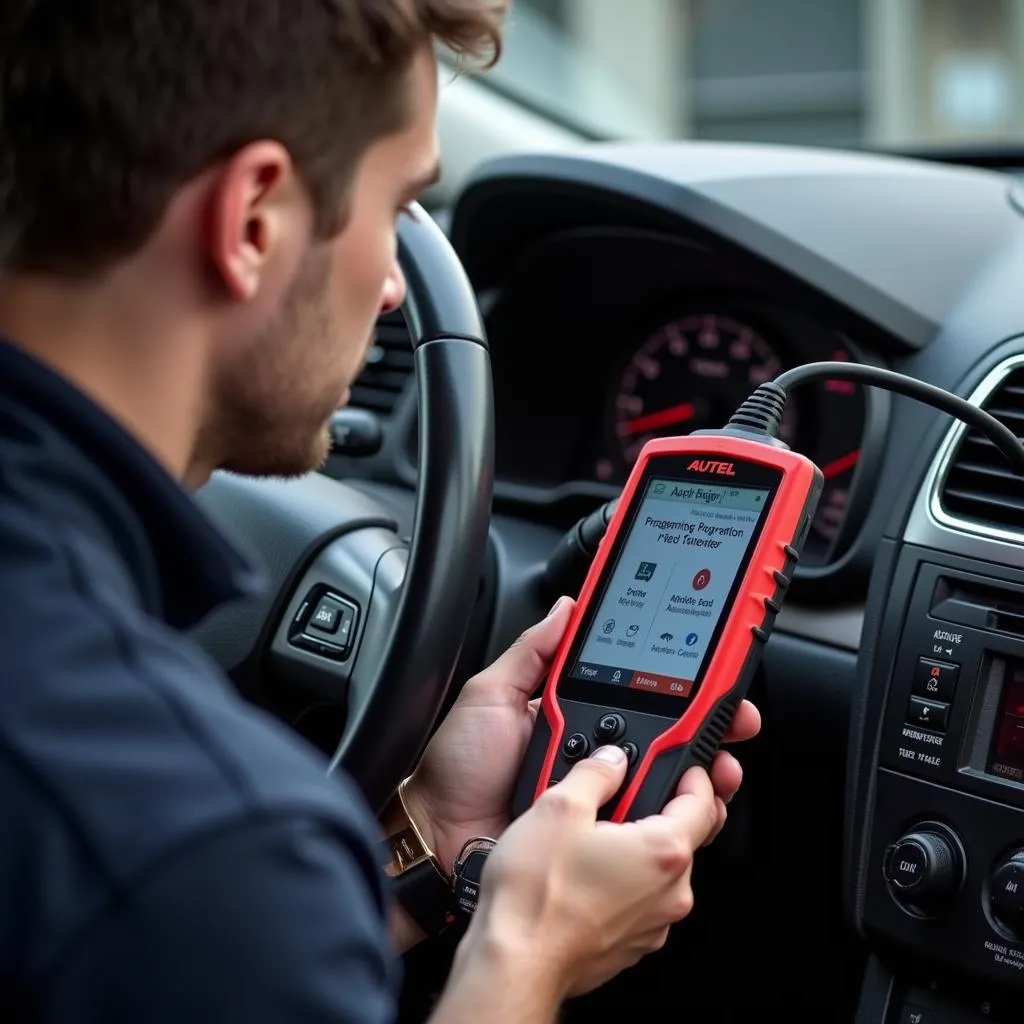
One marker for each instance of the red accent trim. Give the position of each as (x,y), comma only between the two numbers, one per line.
(733,648)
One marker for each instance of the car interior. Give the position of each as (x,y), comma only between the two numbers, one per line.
(572,298)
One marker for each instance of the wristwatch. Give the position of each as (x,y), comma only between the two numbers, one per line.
(419,882)
(433,898)
(466,873)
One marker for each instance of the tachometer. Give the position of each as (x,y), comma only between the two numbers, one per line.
(694,372)
(691,374)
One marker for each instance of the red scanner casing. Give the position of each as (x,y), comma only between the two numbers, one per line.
(671,743)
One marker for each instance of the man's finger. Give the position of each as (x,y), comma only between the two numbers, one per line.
(726,775)
(746,723)
(523,665)
(721,814)
(694,809)
(591,783)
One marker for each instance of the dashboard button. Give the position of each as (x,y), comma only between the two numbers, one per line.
(935,680)
(907,867)
(632,753)
(929,714)
(575,747)
(925,867)
(1006,893)
(609,728)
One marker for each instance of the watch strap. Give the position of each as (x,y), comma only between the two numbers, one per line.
(418,881)
(425,897)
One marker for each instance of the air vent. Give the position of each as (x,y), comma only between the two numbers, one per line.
(980,487)
(388,367)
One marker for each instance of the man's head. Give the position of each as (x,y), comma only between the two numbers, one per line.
(249,159)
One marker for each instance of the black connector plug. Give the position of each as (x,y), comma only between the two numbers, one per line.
(762,411)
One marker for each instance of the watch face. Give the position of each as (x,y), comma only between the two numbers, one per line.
(468,869)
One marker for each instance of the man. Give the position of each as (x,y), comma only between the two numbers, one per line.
(199,209)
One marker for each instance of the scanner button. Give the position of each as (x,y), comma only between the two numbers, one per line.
(575,747)
(935,680)
(632,753)
(609,728)
(929,714)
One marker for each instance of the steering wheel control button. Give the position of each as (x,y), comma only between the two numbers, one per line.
(610,728)
(1006,894)
(935,680)
(925,867)
(325,624)
(632,753)
(929,714)
(326,616)
(575,747)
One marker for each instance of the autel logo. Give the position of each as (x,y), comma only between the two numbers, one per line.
(708,466)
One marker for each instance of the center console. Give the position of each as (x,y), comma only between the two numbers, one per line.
(935,842)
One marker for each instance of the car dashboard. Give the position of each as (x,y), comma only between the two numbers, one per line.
(635,291)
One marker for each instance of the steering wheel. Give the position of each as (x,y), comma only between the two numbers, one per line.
(355,613)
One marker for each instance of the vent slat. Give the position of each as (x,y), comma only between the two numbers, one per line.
(980,486)
(389,365)
(991,503)
(1012,418)
(995,471)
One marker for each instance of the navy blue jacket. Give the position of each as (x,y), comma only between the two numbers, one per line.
(168,852)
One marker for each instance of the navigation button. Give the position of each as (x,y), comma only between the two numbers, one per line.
(929,714)
(935,680)
(609,728)
(575,747)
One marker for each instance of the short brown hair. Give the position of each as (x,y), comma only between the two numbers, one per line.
(108,107)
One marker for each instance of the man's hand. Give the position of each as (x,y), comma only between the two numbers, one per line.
(463,786)
(568,901)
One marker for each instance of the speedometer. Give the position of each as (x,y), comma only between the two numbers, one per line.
(689,375)
(695,371)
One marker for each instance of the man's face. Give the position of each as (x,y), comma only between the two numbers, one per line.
(275,393)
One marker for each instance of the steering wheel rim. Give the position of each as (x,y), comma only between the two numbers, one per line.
(317,536)
(455,407)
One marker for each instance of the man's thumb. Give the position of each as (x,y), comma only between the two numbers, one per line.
(525,663)
(596,779)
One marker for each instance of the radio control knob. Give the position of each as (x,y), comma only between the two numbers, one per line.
(925,867)
(1006,893)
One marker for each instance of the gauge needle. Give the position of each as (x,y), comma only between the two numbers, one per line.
(662,418)
(841,465)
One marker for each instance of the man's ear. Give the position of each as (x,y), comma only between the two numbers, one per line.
(253,203)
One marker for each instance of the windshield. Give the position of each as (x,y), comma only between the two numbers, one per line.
(881,73)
